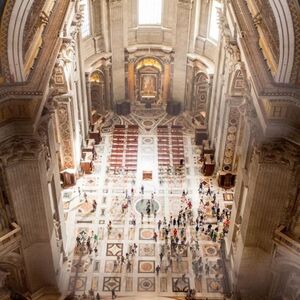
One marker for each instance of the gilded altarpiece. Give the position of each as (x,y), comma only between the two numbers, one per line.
(148,80)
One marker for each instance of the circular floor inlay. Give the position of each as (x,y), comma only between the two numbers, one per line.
(148,123)
(141,206)
(147,140)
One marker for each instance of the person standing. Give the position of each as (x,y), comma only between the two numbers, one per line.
(157,270)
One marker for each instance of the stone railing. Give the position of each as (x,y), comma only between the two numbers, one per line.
(13,234)
(284,240)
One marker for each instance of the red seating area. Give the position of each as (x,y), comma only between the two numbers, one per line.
(170,145)
(124,148)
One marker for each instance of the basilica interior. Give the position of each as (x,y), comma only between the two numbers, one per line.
(150,149)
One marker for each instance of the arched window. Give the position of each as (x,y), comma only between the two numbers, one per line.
(150,12)
(216,6)
(86,26)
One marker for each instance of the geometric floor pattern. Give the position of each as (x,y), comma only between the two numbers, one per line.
(149,265)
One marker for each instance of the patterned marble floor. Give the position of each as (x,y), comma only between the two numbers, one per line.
(97,270)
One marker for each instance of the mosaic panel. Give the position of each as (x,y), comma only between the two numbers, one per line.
(114,249)
(146,233)
(146,284)
(210,250)
(180,284)
(77,283)
(214,285)
(146,266)
(147,250)
(111,283)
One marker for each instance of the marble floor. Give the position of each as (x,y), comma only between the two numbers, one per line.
(98,271)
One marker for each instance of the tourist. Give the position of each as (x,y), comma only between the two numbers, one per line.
(157,270)
(155,236)
(113,294)
(159,225)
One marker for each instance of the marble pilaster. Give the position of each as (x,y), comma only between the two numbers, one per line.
(24,164)
(64,121)
(181,49)
(261,209)
(117,48)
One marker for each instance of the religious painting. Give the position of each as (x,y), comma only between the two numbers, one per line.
(148,85)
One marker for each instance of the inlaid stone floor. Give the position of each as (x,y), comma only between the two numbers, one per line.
(84,271)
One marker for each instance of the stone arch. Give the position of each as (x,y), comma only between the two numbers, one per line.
(284,22)
(15,38)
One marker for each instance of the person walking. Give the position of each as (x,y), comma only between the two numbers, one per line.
(157,270)
(113,294)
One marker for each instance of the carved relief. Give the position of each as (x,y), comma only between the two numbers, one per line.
(65,131)
(238,84)
(231,138)
(58,81)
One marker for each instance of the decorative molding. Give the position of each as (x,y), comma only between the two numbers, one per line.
(234,117)
(65,131)
(294,8)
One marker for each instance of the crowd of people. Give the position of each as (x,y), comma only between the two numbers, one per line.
(176,235)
